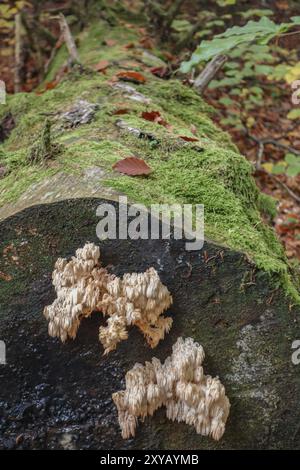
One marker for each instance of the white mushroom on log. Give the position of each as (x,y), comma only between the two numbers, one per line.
(181,386)
(83,287)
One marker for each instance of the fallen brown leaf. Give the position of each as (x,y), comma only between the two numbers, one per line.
(147,42)
(154,116)
(161,72)
(189,139)
(130,45)
(131,76)
(132,166)
(121,111)
(102,65)
(51,85)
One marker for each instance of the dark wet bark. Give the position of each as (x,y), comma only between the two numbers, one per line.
(55,395)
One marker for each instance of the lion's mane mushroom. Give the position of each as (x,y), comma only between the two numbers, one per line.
(83,286)
(181,386)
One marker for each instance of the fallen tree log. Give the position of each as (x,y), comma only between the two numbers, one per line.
(58,395)
(235,296)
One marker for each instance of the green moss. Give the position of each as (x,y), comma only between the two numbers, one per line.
(267,205)
(17,182)
(44,148)
(209,171)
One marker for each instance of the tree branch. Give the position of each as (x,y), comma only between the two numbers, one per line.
(209,72)
(69,40)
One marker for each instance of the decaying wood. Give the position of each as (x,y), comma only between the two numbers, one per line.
(69,40)
(206,76)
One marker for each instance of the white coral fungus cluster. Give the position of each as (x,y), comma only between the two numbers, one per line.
(83,287)
(181,386)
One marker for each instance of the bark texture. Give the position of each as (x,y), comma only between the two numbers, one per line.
(59,396)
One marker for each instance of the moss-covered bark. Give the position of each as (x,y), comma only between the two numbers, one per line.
(209,171)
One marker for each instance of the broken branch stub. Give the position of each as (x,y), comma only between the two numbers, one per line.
(68,38)
(209,72)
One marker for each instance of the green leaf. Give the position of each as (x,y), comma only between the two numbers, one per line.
(279,72)
(215,23)
(204,32)
(293,171)
(255,12)
(225,82)
(292,159)
(263,69)
(260,28)
(294,114)
(278,169)
(256,90)
(226,101)
(181,25)
(231,65)
(261,32)
(235,92)
(225,3)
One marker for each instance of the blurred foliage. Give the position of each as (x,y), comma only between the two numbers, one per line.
(8,11)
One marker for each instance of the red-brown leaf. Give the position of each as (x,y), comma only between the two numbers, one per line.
(146,42)
(50,85)
(150,115)
(131,76)
(132,166)
(101,66)
(121,111)
(110,42)
(130,45)
(154,116)
(189,139)
(160,72)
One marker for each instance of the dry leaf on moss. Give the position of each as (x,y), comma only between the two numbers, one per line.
(132,166)
(154,116)
(131,76)
(101,66)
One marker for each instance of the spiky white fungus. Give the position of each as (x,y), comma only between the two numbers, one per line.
(181,386)
(83,287)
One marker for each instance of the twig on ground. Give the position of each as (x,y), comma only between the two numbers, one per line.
(268,141)
(261,147)
(285,187)
(288,148)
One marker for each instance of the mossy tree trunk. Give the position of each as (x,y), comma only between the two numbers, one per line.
(235,297)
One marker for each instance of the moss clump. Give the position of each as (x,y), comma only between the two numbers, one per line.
(44,149)
(209,171)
